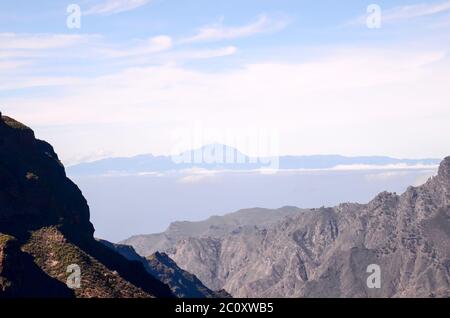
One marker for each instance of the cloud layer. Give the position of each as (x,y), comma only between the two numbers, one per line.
(132,95)
(218,32)
(335,102)
(109,7)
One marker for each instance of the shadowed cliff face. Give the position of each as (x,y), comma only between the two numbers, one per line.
(34,188)
(45,227)
(159,265)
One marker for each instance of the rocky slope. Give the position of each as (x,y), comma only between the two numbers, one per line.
(326,252)
(45,227)
(247,220)
(162,267)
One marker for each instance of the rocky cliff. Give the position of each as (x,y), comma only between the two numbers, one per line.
(326,252)
(45,227)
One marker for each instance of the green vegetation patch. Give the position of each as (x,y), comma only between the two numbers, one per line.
(53,254)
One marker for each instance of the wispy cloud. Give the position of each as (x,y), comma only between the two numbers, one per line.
(322,95)
(115,6)
(11,65)
(18,50)
(153,45)
(162,44)
(406,12)
(219,32)
(204,53)
(415,11)
(198,175)
(40,41)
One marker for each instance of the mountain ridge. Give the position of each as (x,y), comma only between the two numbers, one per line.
(216,158)
(324,252)
(214,226)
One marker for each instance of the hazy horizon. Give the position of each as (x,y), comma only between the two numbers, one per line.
(122,206)
(225,146)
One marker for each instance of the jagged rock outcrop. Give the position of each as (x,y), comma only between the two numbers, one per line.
(162,267)
(326,252)
(45,227)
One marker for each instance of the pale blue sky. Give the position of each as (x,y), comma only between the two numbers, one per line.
(137,71)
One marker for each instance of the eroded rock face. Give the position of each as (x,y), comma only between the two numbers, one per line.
(45,227)
(325,252)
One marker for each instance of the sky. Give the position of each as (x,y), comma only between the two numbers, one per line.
(127,77)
